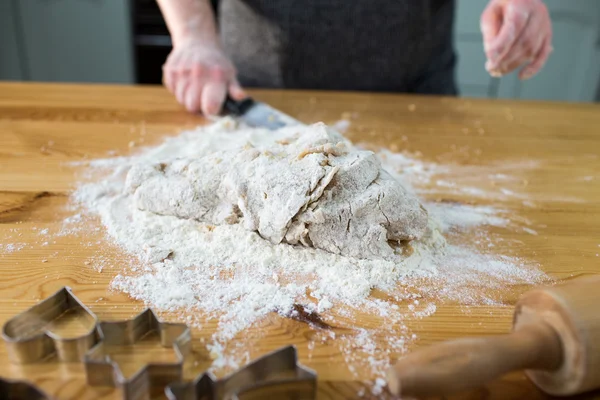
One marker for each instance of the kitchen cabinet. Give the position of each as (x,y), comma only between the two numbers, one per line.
(74,40)
(11,67)
(571,74)
(472,78)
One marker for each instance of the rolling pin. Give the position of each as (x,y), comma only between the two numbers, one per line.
(555,339)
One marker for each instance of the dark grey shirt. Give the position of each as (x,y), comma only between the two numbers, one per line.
(374,45)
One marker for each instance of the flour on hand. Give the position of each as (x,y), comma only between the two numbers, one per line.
(303,186)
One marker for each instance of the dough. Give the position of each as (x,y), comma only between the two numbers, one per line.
(306,186)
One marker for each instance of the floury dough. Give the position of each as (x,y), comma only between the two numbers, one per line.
(298,185)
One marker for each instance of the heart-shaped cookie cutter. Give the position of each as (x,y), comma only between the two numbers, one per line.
(29,337)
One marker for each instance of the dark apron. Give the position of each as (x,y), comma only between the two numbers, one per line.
(373,45)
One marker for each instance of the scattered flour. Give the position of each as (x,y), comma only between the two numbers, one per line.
(11,247)
(341,125)
(233,275)
(462,216)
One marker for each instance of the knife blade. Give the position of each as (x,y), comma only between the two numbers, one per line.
(257,114)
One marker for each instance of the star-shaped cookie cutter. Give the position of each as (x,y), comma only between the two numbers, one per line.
(29,337)
(101,370)
(277,375)
(20,390)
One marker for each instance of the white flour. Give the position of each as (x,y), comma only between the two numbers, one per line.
(235,276)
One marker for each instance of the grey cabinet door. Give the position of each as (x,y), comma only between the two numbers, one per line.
(471,76)
(573,70)
(10,58)
(77,40)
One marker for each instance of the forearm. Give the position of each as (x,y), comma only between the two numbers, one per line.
(189,19)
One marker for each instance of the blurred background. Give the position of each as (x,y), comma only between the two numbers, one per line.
(126,41)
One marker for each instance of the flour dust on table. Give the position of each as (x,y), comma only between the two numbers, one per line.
(236,224)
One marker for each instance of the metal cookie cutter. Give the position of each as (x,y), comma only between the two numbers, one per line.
(277,375)
(101,370)
(29,336)
(20,390)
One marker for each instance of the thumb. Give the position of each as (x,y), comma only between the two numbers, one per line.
(235,90)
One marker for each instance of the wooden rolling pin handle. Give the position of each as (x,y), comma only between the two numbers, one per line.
(469,363)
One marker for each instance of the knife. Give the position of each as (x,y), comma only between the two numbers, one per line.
(257,114)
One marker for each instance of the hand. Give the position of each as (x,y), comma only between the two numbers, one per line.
(516,33)
(200,76)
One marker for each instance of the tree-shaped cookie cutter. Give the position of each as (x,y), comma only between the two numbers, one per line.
(20,390)
(29,338)
(101,370)
(277,375)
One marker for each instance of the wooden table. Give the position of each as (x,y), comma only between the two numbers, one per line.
(43,126)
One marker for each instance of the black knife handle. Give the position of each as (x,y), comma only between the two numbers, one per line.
(237,108)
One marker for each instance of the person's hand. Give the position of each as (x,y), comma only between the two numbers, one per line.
(516,33)
(200,76)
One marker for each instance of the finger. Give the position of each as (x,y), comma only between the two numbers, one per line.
(515,19)
(526,47)
(181,87)
(169,78)
(193,96)
(538,63)
(510,66)
(490,24)
(170,71)
(235,90)
(213,96)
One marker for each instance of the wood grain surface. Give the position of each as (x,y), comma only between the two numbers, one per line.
(45,126)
